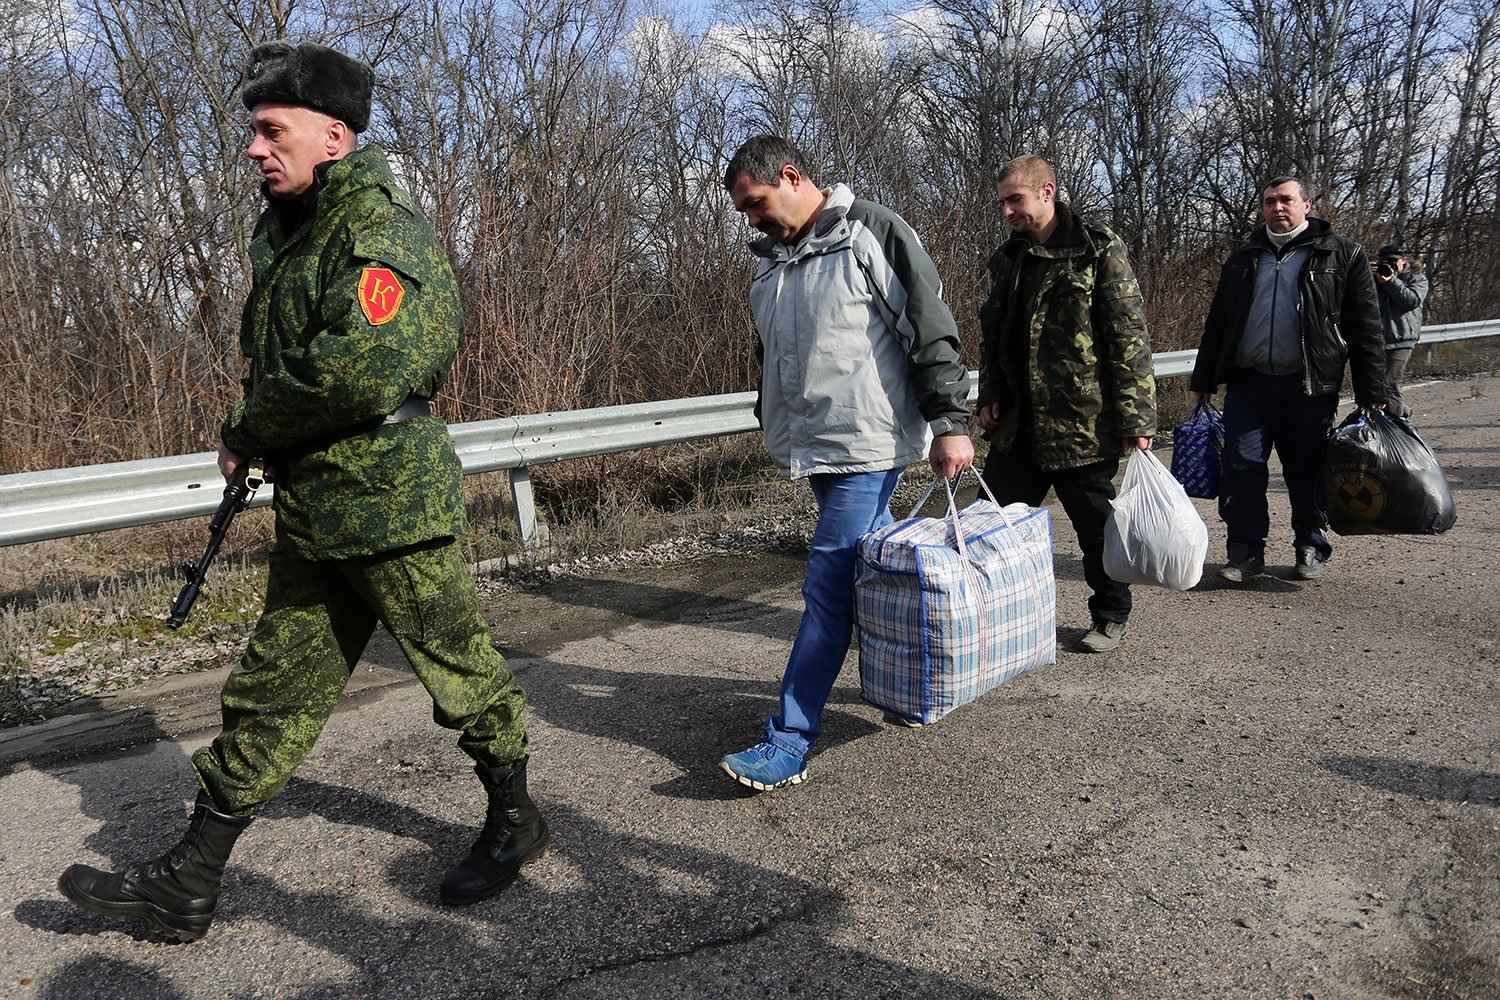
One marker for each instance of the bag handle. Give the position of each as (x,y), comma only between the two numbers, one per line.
(1372,415)
(952,512)
(953,485)
(949,485)
(1031,580)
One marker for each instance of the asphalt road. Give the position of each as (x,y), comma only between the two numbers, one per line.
(1282,790)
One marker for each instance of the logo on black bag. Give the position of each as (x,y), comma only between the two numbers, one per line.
(1359,494)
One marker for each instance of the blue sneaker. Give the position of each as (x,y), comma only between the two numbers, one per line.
(764,766)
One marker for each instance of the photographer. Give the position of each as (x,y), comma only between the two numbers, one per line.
(1402,291)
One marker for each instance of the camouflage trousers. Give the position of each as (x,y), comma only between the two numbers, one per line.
(318,617)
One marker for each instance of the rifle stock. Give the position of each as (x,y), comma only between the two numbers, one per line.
(238,493)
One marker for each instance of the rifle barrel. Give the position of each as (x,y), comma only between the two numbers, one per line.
(237,494)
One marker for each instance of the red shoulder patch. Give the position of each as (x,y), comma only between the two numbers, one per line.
(380,294)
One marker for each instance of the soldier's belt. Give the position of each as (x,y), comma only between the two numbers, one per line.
(416,406)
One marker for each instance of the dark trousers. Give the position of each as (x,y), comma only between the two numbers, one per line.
(1085,493)
(1262,412)
(1395,370)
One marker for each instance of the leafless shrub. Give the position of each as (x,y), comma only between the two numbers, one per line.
(569,152)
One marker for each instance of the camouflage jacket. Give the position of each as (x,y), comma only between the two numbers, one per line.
(353,309)
(1087,382)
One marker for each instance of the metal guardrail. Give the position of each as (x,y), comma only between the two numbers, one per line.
(58,503)
(1444,332)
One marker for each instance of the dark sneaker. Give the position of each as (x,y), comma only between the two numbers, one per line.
(1309,563)
(1104,637)
(897,719)
(1240,570)
(763,767)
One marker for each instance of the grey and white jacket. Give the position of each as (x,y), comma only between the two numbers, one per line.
(860,356)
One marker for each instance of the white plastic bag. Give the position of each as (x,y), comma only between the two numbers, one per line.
(1155,536)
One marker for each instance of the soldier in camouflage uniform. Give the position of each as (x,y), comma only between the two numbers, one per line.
(1065,379)
(352,322)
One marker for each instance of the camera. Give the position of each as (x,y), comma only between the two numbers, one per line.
(1388,266)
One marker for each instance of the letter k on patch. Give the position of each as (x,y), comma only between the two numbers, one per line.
(380,294)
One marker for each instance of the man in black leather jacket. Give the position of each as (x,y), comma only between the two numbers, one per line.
(1293,306)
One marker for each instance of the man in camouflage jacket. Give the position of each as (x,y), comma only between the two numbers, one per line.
(1065,379)
(352,322)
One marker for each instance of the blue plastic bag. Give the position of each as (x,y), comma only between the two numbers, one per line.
(1196,449)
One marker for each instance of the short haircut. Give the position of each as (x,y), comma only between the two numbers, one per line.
(762,158)
(1030,169)
(1281,179)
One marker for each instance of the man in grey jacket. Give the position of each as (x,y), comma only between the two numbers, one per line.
(860,378)
(1402,293)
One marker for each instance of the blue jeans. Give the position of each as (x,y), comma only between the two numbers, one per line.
(849,505)
(1262,412)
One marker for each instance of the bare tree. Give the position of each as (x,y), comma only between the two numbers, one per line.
(569,153)
(1466,242)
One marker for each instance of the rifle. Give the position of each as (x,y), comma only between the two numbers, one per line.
(238,493)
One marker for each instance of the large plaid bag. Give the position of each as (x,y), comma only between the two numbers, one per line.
(1197,447)
(948,608)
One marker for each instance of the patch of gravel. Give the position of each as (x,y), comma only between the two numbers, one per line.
(775,532)
(46,685)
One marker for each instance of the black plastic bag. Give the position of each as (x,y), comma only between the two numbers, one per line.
(1383,479)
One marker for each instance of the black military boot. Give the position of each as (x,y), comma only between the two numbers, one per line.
(175,892)
(514,833)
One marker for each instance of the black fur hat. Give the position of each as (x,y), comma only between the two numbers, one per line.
(313,76)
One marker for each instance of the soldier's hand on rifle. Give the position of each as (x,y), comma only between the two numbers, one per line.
(230,464)
(242,477)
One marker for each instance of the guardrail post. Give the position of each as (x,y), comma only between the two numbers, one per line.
(523,501)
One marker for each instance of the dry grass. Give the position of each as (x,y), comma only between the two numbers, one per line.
(87,615)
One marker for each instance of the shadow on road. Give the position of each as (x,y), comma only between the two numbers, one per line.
(723,715)
(603,914)
(1428,781)
(648,602)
